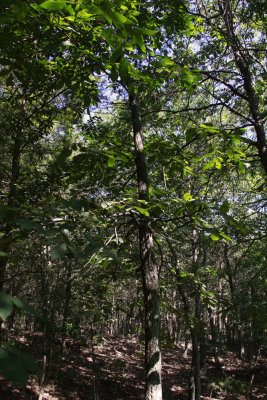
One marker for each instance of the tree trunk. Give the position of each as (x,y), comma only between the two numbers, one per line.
(66,310)
(214,338)
(149,268)
(202,348)
(194,385)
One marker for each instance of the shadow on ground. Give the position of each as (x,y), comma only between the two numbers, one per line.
(115,371)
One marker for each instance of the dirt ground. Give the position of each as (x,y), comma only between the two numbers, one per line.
(114,370)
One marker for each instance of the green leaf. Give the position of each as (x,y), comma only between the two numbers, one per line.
(190,134)
(114,73)
(215,236)
(111,161)
(110,253)
(142,46)
(12,368)
(167,61)
(225,207)
(210,164)
(20,9)
(26,308)
(77,204)
(218,164)
(76,253)
(15,365)
(53,4)
(123,69)
(102,11)
(6,306)
(241,167)
(149,32)
(222,234)
(142,211)
(57,5)
(128,46)
(156,210)
(92,248)
(230,154)
(7,213)
(58,251)
(187,197)
(83,14)
(119,18)
(209,128)
(137,39)
(25,224)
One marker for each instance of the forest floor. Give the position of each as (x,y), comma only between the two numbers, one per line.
(114,371)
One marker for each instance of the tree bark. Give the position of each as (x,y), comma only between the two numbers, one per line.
(214,338)
(66,311)
(149,268)
(194,385)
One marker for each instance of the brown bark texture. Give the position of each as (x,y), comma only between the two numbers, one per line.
(149,268)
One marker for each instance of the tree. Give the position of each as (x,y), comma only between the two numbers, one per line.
(79,200)
(232,32)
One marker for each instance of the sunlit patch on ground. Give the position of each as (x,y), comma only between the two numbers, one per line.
(116,371)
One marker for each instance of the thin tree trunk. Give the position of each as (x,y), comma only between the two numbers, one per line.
(214,339)
(149,268)
(66,307)
(202,348)
(194,385)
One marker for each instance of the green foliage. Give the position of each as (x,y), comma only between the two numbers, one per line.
(230,385)
(58,251)
(70,217)
(16,365)
(8,304)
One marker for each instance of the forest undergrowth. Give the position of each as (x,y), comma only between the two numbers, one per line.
(112,369)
